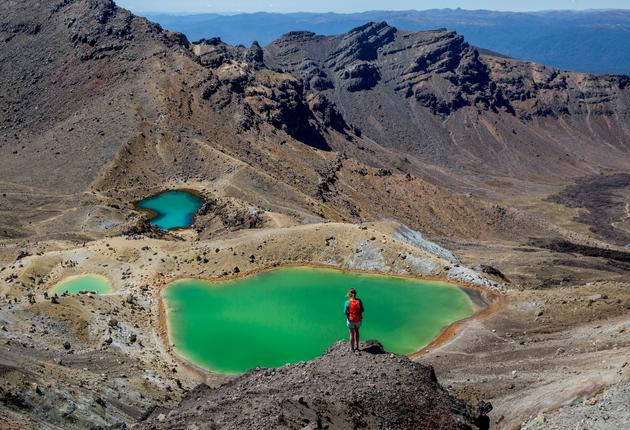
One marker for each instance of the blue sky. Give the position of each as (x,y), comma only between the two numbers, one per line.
(191,6)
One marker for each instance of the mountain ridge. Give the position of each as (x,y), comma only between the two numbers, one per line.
(118,130)
(571,40)
(447,89)
(448,78)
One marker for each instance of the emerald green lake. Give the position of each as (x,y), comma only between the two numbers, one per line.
(293,314)
(76,284)
(172,209)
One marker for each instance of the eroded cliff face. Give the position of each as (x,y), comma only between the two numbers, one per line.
(442,72)
(433,95)
(276,98)
(535,90)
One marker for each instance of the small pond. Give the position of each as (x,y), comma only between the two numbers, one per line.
(293,314)
(172,209)
(82,283)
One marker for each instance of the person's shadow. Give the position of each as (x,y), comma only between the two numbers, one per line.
(372,347)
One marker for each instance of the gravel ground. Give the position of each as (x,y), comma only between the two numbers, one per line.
(605,411)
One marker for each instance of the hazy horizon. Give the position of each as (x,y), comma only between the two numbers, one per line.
(189,7)
(230,13)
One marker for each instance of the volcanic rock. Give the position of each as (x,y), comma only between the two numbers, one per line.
(341,390)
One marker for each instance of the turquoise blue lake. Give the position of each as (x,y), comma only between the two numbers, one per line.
(172,209)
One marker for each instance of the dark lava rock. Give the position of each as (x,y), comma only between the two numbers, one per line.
(69,409)
(362,44)
(327,112)
(564,246)
(287,110)
(22,254)
(493,271)
(254,54)
(373,347)
(17,399)
(340,390)
(438,68)
(597,194)
(361,76)
(145,228)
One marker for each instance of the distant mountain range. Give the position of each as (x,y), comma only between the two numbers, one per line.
(596,41)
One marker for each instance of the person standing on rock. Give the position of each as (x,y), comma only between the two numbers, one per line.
(353,309)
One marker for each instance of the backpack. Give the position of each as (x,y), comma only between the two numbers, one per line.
(356,310)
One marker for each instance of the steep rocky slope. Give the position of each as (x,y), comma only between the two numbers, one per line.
(110,108)
(340,390)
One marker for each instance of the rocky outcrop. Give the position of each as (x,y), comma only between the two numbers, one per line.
(439,69)
(412,237)
(441,72)
(537,91)
(101,28)
(238,74)
(446,74)
(352,60)
(326,111)
(254,55)
(213,53)
(288,56)
(340,390)
(432,94)
(360,76)
(218,215)
(361,44)
(285,107)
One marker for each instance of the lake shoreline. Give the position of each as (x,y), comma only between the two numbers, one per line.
(104,280)
(152,214)
(484,303)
